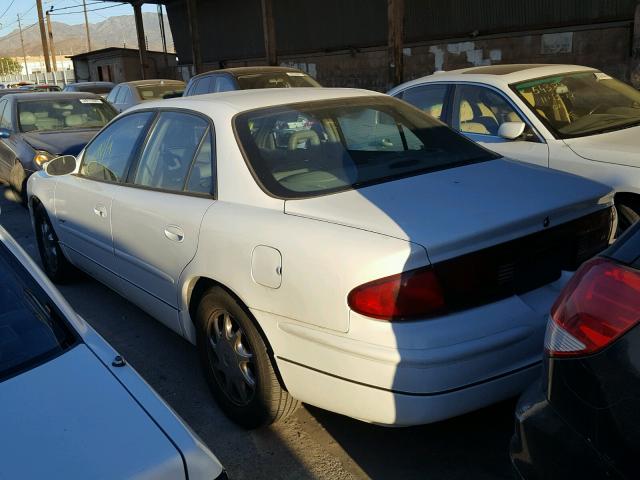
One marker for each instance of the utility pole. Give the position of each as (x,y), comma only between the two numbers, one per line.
(43,36)
(51,44)
(24,55)
(86,25)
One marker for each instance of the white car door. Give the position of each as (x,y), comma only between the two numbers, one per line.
(83,201)
(478,111)
(156,218)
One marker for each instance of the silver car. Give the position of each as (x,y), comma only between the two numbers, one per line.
(126,95)
(71,406)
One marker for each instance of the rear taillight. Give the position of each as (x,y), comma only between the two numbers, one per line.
(407,295)
(598,305)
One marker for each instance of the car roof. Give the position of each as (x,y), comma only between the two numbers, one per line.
(504,74)
(153,81)
(236,71)
(243,100)
(55,95)
(95,84)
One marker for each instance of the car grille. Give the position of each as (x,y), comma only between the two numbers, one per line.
(524,264)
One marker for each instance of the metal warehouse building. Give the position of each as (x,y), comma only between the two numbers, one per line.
(377,43)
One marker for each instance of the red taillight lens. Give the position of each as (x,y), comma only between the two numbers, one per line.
(411,294)
(598,305)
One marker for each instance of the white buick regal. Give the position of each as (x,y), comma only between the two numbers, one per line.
(331,246)
(571,118)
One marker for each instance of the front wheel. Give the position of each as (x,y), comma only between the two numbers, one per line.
(18,182)
(236,363)
(55,264)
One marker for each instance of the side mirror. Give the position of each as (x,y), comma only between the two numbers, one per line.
(511,130)
(60,166)
(5,133)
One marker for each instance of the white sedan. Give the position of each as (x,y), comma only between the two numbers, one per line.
(331,246)
(571,118)
(70,406)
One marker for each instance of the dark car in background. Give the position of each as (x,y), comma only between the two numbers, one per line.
(37,127)
(42,87)
(247,78)
(99,88)
(128,94)
(582,420)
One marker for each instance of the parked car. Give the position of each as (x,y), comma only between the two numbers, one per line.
(571,118)
(581,420)
(126,95)
(36,127)
(332,246)
(99,88)
(67,395)
(42,87)
(247,78)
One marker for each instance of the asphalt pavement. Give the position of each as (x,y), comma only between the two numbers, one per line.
(312,443)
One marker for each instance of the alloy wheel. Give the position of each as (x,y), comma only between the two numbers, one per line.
(230,358)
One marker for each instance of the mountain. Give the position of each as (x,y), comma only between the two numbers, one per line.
(71,39)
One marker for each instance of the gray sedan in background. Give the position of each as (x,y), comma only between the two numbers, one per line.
(71,406)
(128,94)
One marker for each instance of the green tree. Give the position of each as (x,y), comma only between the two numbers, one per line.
(10,66)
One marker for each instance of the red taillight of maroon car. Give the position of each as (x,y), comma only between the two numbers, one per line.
(598,305)
(412,294)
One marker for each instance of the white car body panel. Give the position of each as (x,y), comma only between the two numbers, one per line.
(384,372)
(611,158)
(84,418)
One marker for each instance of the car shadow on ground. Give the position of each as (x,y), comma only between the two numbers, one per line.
(474,445)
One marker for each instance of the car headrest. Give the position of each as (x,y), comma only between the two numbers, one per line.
(27,118)
(298,137)
(73,120)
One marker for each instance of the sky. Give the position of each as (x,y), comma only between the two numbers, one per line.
(66,11)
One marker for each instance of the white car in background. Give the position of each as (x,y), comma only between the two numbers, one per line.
(332,246)
(567,117)
(70,406)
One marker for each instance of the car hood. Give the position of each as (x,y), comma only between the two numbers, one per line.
(621,147)
(60,143)
(71,418)
(459,210)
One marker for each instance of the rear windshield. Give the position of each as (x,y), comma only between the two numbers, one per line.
(63,114)
(97,89)
(159,91)
(313,148)
(275,80)
(31,327)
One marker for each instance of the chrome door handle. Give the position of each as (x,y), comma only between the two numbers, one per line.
(174,233)
(100,210)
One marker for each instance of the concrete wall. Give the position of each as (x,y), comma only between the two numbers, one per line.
(605,46)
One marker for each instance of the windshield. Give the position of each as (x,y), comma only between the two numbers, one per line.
(314,148)
(31,328)
(160,91)
(583,103)
(63,114)
(275,80)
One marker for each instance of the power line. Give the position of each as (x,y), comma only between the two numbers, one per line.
(7,9)
(92,10)
(73,6)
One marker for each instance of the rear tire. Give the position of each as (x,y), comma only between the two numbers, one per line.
(54,263)
(236,363)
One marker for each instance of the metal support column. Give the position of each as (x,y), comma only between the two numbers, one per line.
(142,44)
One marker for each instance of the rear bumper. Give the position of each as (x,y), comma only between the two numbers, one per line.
(411,373)
(545,447)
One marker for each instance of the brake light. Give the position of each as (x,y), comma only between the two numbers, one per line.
(598,305)
(411,294)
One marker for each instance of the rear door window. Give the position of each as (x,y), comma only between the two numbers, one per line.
(166,159)
(428,98)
